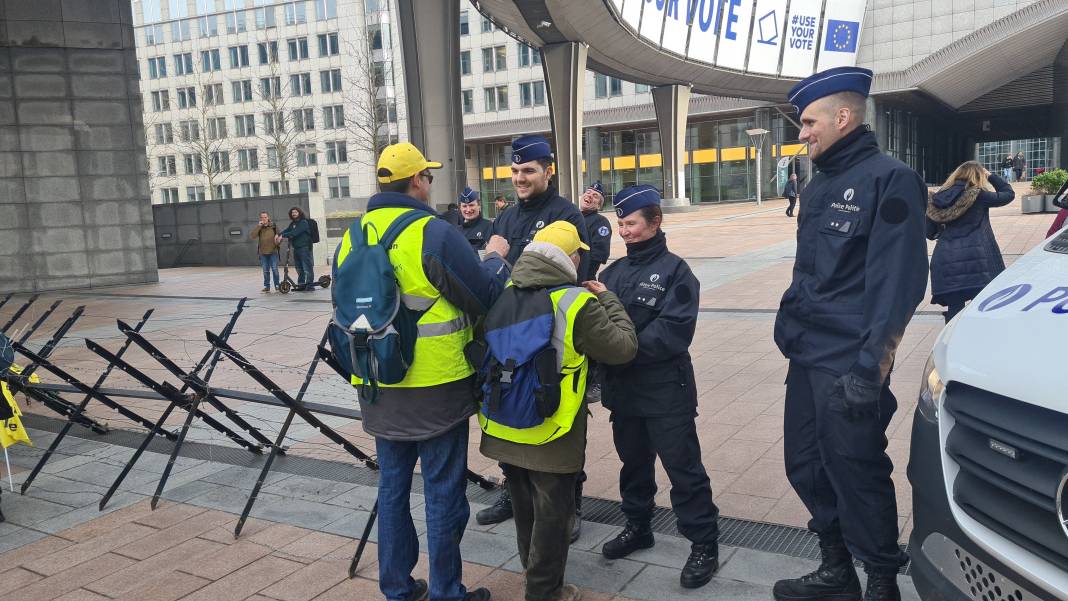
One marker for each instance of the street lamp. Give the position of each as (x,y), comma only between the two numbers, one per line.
(757,135)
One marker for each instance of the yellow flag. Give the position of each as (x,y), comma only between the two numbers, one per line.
(12,430)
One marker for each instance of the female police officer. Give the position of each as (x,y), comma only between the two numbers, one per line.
(653,399)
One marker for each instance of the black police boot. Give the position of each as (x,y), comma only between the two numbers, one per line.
(479,594)
(835,579)
(882,586)
(576,527)
(500,511)
(699,568)
(420,592)
(633,537)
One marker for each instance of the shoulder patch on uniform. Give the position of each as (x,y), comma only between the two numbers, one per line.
(604,231)
(894,211)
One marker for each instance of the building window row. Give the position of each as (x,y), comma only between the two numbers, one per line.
(211,60)
(338,187)
(495,98)
(235,20)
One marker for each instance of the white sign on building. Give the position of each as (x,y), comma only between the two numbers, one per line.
(772,37)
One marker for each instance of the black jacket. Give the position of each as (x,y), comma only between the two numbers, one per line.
(861,264)
(661,296)
(599,237)
(477,231)
(453,216)
(790,189)
(518,223)
(966,257)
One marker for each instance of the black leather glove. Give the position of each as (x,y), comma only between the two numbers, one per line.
(858,397)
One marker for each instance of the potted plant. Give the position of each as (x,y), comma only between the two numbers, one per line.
(1048,184)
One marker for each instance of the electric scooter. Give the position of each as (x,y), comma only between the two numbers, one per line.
(288,284)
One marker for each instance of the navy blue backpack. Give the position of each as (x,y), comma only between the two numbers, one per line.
(520,373)
(372,334)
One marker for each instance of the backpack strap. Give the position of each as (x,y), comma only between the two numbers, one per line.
(399,225)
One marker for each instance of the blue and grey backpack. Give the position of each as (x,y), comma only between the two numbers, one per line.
(372,334)
(521,370)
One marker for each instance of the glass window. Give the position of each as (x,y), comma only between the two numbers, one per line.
(465,62)
(491,99)
(487,25)
(465,27)
(300,84)
(244,125)
(217,128)
(307,185)
(330,80)
(223,191)
(180,31)
(298,48)
(532,93)
(279,187)
(183,63)
(325,9)
(205,7)
(467,98)
(213,94)
(154,35)
(193,164)
(189,131)
(378,34)
(248,159)
(336,153)
(179,9)
(328,44)
(333,117)
(641,88)
(274,123)
(242,90)
(307,155)
(161,101)
(339,187)
(235,21)
(268,52)
(187,98)
(304,119)
(209,26)
(168,166)
(238,56)
(528,56)
(250,189)
(210,60)
(271,87)
(265,15)
(151,10)
(296,13)
(219,161)
(501,55)
(194,193)
(169,195)
(164,133)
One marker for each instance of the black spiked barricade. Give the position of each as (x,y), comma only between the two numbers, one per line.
(297,407)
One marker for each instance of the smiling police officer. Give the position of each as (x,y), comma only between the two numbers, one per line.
(598,229)
(860,272)
(476,228)
(653,399)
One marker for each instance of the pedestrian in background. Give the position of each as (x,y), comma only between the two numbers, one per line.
(452,214)
(265,233)
(425,416)
(476,228)
(300,240)
(500,204)
(653,399)
(1019,166)
(966,255)
(542,461)
(790,192)
(859,273)
(1006,168)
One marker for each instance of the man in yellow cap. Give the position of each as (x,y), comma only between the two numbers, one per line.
(543,455)
(425,416)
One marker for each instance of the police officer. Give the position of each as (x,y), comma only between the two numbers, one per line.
(598,230)
(539,204)
(653,399)
(476,228)
(860,272)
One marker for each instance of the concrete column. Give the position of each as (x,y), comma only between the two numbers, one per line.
(768,187)
(75,210)
(565,81)
(672,106)
(593,154)
(430,43)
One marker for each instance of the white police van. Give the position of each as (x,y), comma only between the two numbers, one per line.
(989,457)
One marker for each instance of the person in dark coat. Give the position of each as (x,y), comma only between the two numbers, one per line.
(476,228)
(966,255)
(859,273)
(598,230)
(1019,165)
(538,206)
(790,192)
(299,235)
(452,215)
(653,399)
(1006,168)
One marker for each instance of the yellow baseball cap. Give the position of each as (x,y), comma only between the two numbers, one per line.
(401,161)
(563,235)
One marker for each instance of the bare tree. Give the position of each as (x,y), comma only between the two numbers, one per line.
(284,100)
(371,96)
(201,139)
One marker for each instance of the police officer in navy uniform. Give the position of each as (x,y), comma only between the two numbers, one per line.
(653,399)
(598,229)
(476,228)
(539,205)
(860,272)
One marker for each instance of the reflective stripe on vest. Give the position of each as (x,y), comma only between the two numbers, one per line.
(443,329)
(567,302)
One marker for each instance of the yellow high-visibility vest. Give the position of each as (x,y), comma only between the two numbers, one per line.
(567,302)
(443,329)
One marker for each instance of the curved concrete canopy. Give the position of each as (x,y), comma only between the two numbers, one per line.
(658,43)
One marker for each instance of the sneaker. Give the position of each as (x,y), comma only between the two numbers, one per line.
(570,592)
(633,538)
(479,594)
(265,289)
(701,565)
(420,591)
(500,511)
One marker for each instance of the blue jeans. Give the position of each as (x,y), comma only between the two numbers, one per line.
(303,259)
(269,263)
(444,467)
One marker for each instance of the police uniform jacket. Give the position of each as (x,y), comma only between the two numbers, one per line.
(477,231)
(519,222)
(599,237)
(661,295)
(861,265)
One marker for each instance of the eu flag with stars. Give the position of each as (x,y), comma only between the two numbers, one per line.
(841,36)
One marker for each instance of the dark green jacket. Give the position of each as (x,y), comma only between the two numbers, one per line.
(299,233)
(603,332)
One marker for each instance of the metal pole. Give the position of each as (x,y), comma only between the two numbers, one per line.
(760,197)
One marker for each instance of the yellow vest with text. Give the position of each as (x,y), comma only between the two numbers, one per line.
(567,302)
(443,329)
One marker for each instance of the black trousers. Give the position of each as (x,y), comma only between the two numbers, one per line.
(840,469)
(639,441)
(793,203)
(544,505)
